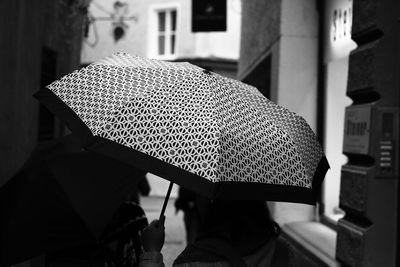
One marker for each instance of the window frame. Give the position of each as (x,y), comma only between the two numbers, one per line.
(169,33)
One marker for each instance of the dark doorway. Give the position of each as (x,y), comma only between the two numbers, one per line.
(260,77)
(47,121)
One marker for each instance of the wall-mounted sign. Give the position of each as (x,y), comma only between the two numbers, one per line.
(208,15)
(337,27)
(341,22)
(357,129)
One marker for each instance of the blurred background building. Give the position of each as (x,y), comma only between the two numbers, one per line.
(335,62)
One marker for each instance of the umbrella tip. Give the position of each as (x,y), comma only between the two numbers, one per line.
(207,72)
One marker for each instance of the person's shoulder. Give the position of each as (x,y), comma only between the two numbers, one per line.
(263,256)
(151,259)
(193,253)
(203,264)
(283,255)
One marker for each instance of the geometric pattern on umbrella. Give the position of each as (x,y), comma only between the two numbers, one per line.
(212,126)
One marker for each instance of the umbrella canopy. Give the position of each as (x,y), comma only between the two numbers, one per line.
(214,135)
(59,202)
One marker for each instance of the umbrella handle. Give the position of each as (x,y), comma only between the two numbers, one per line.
(162,216)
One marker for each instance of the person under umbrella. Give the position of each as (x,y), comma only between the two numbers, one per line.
(186,202)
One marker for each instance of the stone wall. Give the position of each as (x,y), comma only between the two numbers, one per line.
(368,234)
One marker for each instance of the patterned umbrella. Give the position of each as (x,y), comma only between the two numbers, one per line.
(211,134)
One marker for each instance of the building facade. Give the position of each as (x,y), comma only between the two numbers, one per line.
(334,62)
(158,29)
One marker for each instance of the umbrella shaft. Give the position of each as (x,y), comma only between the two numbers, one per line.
(166,201)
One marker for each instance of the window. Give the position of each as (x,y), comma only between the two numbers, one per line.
(165,28)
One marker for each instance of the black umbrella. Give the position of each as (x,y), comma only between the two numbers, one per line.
(60,201)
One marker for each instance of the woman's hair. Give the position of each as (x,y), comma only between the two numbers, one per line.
(125,229)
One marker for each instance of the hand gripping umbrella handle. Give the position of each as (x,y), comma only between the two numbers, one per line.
(162,216)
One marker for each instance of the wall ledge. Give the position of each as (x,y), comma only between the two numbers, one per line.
(315,239)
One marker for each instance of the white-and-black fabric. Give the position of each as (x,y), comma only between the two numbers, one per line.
(216,128)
